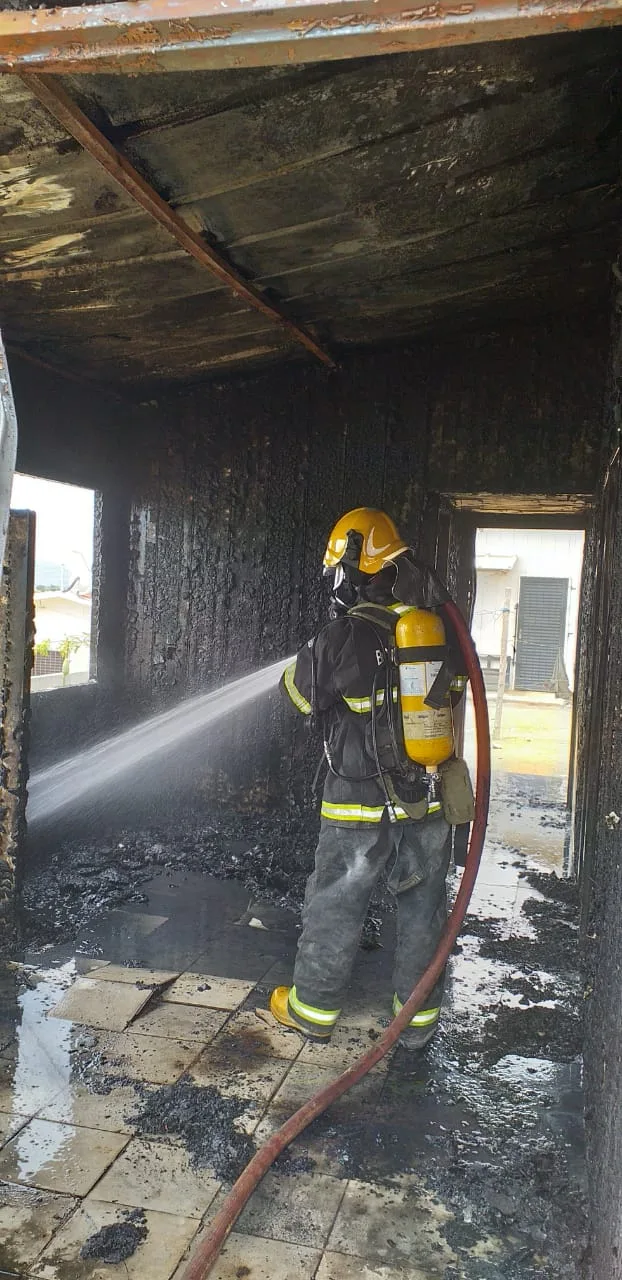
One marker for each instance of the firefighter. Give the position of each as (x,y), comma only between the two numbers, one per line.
(372,817)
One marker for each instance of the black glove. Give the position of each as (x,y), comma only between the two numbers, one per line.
(461,843)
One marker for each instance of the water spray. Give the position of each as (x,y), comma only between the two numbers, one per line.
(88,772)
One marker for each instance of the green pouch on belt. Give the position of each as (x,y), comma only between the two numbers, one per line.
(457,793)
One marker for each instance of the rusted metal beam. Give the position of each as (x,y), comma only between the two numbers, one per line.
(156,35)
(52,95)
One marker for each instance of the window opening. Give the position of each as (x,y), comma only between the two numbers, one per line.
(64,551)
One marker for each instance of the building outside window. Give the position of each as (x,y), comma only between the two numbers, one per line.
(63,578)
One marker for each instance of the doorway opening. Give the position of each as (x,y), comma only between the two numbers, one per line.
(63,582)
(525,620)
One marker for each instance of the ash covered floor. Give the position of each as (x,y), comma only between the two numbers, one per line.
(137,1078)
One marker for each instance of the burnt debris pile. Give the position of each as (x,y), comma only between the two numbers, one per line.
(204,1120)
(270,855)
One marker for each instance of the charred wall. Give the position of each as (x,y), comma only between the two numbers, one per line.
(228,532)
(249,475)
(216,501)
(599,843)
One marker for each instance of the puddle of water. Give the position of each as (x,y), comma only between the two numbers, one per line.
(37,1063)
(538,1073)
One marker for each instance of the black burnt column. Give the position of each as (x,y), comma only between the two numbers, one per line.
(599,841)
(111,558)
(16,655)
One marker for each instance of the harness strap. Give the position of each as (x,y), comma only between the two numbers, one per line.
(379,614)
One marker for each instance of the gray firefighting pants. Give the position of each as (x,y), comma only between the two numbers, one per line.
(347,865)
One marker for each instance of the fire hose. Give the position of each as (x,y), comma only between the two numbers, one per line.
(208,1251)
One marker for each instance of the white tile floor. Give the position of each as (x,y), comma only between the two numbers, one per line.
(106,1004)
(336,1266)
(181,1022)
(167,1237)
(258,1259)
(145,1057)
(59,1157)
(158,1176)
(77,1105)
(29,1219)
(121,973)
(72,1164)
(211,993)
(393,1225)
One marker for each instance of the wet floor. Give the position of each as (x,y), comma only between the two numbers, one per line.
(530,774)
(136,1079)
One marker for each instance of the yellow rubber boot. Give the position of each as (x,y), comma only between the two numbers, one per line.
(280,1009)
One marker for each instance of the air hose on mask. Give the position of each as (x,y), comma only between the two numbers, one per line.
(208,1250)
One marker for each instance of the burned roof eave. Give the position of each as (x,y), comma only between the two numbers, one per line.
(204,34)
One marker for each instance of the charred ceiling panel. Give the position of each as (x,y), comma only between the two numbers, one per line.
(375,200)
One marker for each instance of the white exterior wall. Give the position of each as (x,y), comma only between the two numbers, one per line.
(57,616)
(540,553)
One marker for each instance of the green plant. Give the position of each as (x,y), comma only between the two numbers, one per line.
(42,648)
(69,645)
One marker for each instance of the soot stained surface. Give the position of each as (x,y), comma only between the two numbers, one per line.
(554,941)
(489,1120)
(271,856)
(204,1120)
(117,1242)
(97,1071)
(385,179)
(556,1032)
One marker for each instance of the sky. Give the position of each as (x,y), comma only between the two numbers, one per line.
(64,522)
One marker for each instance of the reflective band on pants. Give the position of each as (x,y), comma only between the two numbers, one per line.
(352,812)
(321,1017)
(366,813)
(424,1018)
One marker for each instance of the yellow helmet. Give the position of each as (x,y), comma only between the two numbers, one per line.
(378,539)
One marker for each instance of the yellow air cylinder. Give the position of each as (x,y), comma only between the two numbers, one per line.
(421,649)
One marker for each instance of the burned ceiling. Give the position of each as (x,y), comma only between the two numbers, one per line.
(370,200)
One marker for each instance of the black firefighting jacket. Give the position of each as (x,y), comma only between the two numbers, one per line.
(347,656)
